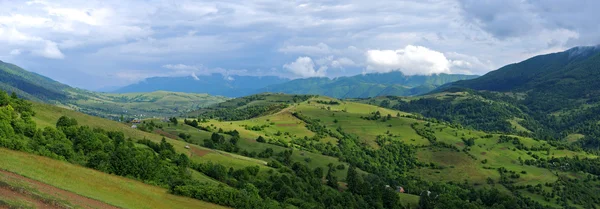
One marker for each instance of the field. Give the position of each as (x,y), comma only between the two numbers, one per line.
(107,189)
(451,164)
(153,104)
(446,158)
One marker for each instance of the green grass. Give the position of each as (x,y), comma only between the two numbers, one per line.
(517,126)
(410,199)
(47,115)
(114,190)
(574,137)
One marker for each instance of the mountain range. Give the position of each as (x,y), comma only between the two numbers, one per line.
(368,85)
(214,84)
(35,87)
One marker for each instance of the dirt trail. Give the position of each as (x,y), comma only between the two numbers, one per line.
(199,152)
(13,195)
(72,198)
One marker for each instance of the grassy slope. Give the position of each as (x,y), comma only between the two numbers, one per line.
(114,190)
(47,115)
(457,166)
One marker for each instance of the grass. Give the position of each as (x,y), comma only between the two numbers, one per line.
(47,115)
(114,190)
(574,137)
(410,199)
(452,165)
(517,126)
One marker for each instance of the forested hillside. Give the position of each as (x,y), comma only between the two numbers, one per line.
(552,97)
(35,87)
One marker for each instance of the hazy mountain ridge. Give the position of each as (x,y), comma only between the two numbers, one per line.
(35,87)
(214,84)
(367,85)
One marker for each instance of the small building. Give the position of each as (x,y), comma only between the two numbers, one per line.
(187,146)
(134,126)
(400,189)
(136,120)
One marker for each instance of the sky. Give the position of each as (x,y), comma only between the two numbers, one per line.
(99,44)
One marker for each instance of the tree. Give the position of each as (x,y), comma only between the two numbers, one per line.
(331,179)
(65,121)
(261,139)
(354,180)
(173,120)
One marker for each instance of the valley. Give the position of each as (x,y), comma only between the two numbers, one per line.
(452,146)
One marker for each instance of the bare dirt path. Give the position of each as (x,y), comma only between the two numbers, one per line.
(70,197)
(13,195)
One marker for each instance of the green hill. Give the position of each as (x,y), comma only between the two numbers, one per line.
(553,97)
(368,85)
(36,87)
(310,152)
(445,152)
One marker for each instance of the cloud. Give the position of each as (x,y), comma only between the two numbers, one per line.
(106,37)
(180,67)
(195,76)
(336,63)
(411,60)
(342,62)
(50,51)
(15,52)
(466,64)
(319,49)
(305,67)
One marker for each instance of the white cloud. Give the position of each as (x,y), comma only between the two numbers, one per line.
(23,20)
(411,60)
(109,36)
(466,64)
(305,67)
(50,51)
(319,49)
(338,63)
(195,76)
(15,52)
(180,67)
(342,62)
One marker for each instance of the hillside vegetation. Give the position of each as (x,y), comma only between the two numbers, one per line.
(551,97)
(313,152)
(131,105)
(438,155)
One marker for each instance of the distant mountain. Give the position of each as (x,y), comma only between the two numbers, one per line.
(579,63)
(35,87)
(368,85)
(214,84)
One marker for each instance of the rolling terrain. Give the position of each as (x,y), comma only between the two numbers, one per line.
(552,97)
(271,137)
(38,88)
(444,152)
(456,147)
